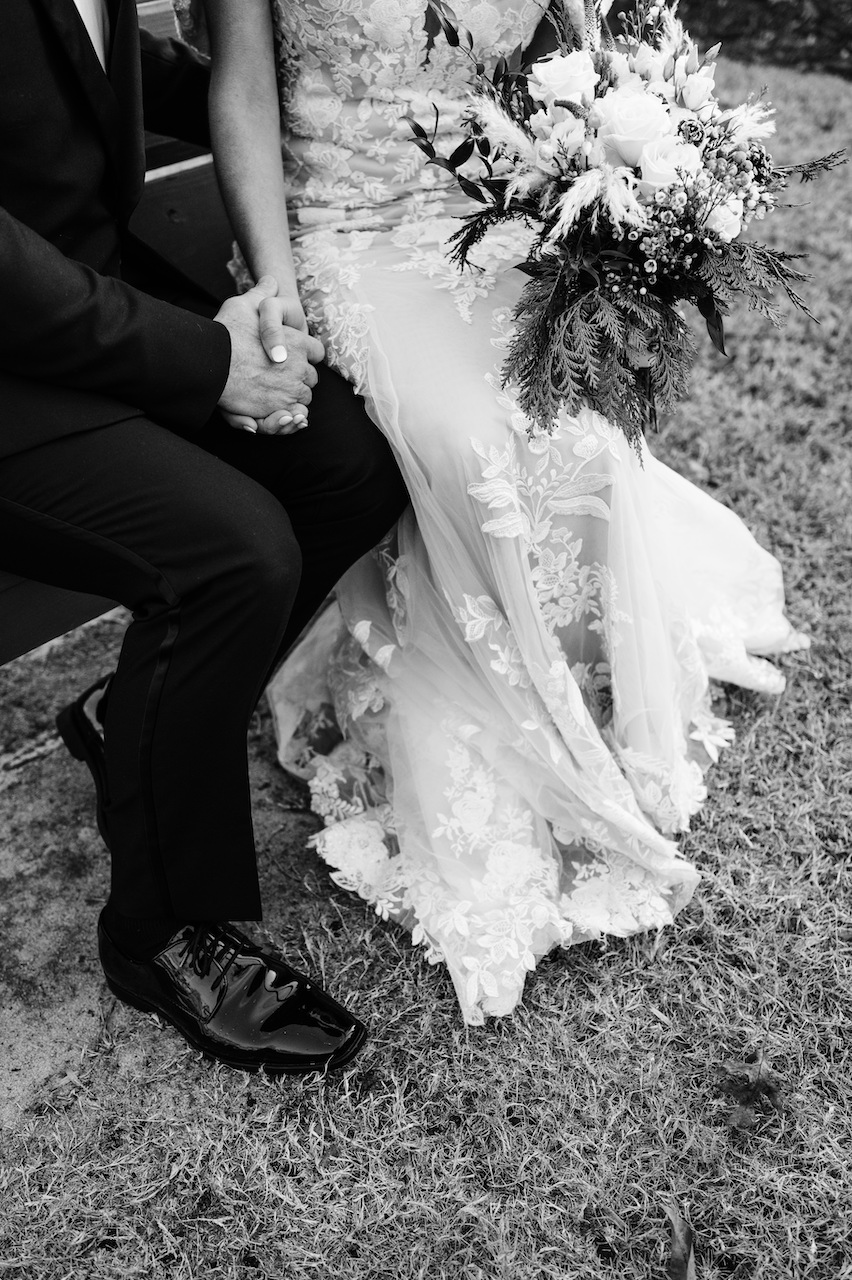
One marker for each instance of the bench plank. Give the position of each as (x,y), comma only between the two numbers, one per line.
(32,613)
(181,215)
(156,16)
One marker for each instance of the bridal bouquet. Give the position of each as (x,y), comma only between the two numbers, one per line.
(637,184)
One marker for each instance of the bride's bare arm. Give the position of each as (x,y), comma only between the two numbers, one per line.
(246,131)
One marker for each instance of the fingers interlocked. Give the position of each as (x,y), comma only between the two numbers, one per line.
(290,352)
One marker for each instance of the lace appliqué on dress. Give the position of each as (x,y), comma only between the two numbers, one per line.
(515,707)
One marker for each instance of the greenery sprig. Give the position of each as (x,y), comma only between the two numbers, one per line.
(598,321)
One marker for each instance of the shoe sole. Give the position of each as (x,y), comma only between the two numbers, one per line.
(147,1006)
(75,732)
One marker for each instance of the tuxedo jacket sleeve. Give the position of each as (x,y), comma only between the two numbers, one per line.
(79,347)
(64,323)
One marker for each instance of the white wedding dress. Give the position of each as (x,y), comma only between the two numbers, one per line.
(506,716)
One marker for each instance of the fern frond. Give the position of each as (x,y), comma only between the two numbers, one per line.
(808,170)
(474,228)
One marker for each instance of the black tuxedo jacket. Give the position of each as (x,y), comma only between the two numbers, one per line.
(80,347)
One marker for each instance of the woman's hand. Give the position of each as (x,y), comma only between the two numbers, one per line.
(286,310)
(245,127)
(283,332)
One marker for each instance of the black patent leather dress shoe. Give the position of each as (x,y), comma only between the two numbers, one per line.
(80,729)
(235,1001)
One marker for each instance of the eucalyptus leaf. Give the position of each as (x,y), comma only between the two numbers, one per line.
(450,34)
(462,153)
(471,189)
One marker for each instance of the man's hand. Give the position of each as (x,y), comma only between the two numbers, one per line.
(272,374)
(274,316)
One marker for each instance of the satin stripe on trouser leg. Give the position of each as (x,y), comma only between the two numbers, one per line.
(209,560)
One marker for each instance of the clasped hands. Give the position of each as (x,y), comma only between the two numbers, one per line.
(273,356)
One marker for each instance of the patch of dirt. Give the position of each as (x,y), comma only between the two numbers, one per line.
(54,869)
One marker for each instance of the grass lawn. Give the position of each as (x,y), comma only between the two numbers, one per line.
(706,1070)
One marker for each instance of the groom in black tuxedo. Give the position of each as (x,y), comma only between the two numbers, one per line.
(119,476)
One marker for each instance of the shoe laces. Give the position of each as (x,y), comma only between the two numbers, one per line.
(209,944)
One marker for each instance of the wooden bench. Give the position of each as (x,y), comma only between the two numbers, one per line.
(181,216)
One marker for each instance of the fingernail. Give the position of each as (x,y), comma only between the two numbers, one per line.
(284,420)
(279,354)
(253,429)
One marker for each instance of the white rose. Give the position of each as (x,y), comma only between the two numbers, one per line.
(697,89)
(541,124)
(662,88)
(627,120)
(648,63)
(571,77)
(565,140)
(663,162)
(726,219)
(620,65)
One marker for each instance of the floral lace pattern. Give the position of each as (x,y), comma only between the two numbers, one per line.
(508,708)
(350,73)
(326,262)
(429,250)
(511,914)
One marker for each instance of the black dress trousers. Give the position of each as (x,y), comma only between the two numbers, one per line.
(223,546)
